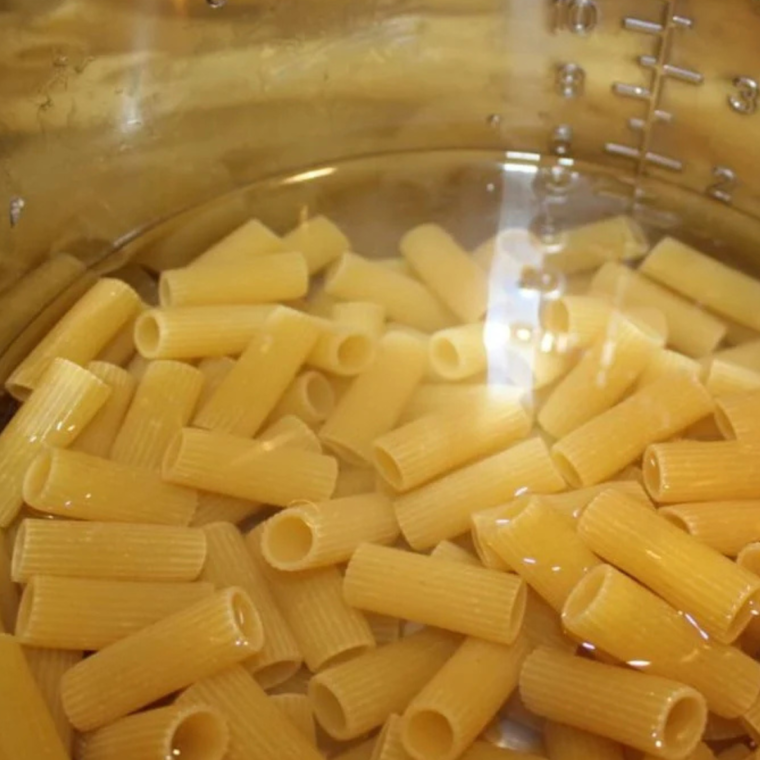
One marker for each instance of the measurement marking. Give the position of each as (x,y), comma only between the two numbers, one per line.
(675,72)
(637,124)
(723,189)
(639,25)
(682,22)
(626,151)
(631,91)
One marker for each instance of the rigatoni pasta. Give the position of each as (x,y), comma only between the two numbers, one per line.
(366,316)
(251,239)
(73,484)
(342,349)
(297,709)
(442,509)
(458,352)
(88,615)
(358,695)
(211,635)
(9,595)
(309,535)
(65,400)
(309,397)
(436,592)
(653,714)
(319,239)
(738,416)
(27,729)
(720,595)
(115,551)
(568,743)
(177,731)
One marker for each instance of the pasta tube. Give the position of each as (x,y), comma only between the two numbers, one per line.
(720,595)
(315,535)
(73,484)
(567,743)
(211,635)
(297,709)
(375,400)
(435,592)
(27,729)
(177,731)
(654,413)
(358,695)
(458,352)
(582,318)
(65,401)
(738,416)
(442,509)
(249,240)
(389,745)
(8,592)
(342,349)
(309,397)
(319,239)
(364,315)
(112,551)
(601,609)
(444,719)
(653,714)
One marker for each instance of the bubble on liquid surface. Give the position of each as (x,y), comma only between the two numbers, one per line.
(217,3)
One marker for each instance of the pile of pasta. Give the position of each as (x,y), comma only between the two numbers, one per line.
(482,505)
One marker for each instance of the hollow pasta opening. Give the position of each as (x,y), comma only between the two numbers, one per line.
(246,617)
(389,468)
(148,335)
(555,317)
(584,594)
(652,474)
(724,424)
(445,357)
(287,541)
(427,733)
(328,709)
(319,395)
(749,609)
(354,353)
(25,607)
(36,477)
(748,558)
(347,654)
(199,735)
(567,470)
(276,673)
(683,725)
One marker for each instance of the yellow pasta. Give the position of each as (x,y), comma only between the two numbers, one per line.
(389,745)
(652,714)
(700,278)
(354,480)
(362,751)
(656,412)
(121,348)
(318,303)
(486,751)
(80,335)
(683,471)
(229,563)
(444,718)
(385,629)
(47,667)
(309,397)
(195,732)
(162,405)
(85,614)
(578,249)
(310,535)
(738,416)
(64,402)
(435,592)
(298,683)
(137,366)
(396,264)
(216,507)
(447,269)
(720,595)
(581,318)
(251,390)
(262,279)
(568,743)
(8,592)
(442,509)
(726,526)
(600,611)
(325,627)
(667,362)
(571,504)
(353,278)
(258,727)
(248,469)
(358,695)
(723,378)
(691,330)
(436,397)
(751,721)
(214,369)
(297,709)
(430,446)
(452,552)
(243,244)
(98,437)
(601,378)
(375,400)
(342,349)
(27,729)
(746,355)
(198,331)
(112,551)
(211,635)
(364,315)
(543,549)
(319,240)
(77,485)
